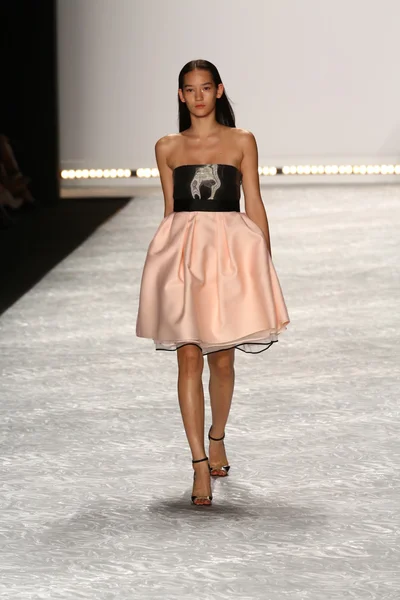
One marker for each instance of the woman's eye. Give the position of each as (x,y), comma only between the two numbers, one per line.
(192,90)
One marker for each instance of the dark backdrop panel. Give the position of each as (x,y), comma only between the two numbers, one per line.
(28,90)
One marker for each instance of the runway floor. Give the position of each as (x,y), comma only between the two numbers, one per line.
(96,472)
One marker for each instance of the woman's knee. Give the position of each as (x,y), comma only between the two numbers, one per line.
(222,363)
(190,360)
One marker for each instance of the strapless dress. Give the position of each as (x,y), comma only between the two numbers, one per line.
(208,278)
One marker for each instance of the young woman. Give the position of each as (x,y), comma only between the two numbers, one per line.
(208,283)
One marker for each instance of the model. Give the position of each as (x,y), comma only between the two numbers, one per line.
(208,284)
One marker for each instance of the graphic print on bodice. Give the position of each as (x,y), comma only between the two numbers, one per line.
(205,178)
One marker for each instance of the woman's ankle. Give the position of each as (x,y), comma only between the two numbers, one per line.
(217,432)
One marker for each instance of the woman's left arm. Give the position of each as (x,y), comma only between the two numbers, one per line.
(254,205)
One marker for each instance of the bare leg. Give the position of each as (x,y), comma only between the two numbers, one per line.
(191,402)
(221,386)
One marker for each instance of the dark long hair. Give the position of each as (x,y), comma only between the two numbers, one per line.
(223,110)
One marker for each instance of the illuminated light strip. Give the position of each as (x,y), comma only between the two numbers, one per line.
(269,171)
(95,173)
(339,170)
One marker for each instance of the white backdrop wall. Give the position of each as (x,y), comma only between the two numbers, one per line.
(316,82)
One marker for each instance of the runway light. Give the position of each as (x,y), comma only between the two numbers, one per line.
(269,171)
(151,172)
(388,169)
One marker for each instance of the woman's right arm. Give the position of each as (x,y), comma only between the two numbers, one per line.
(162,151)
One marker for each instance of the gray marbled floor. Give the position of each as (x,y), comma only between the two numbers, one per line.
(96,473)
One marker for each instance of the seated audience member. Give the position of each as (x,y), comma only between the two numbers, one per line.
(11,177)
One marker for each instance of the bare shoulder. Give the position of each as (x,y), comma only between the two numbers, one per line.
(167,145)
(245,137)
(167,141)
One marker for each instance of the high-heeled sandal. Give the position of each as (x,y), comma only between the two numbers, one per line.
(218,471)
(194,498)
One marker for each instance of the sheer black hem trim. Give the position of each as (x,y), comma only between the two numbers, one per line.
(236,346)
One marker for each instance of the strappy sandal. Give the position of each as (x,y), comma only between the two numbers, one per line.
(218,471)
(208,499)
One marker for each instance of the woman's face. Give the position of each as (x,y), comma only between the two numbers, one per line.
(200,92)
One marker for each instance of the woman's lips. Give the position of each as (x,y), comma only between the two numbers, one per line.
(199,105)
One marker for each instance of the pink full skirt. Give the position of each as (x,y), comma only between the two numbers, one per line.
(208,279)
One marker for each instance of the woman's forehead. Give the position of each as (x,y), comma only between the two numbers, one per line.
(200,77)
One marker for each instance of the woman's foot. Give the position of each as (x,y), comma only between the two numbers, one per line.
(201,493)
(217,454)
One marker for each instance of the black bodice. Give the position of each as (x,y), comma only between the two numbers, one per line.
(211,187)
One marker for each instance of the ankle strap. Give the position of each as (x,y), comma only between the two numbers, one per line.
(215,439)
(200,460)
